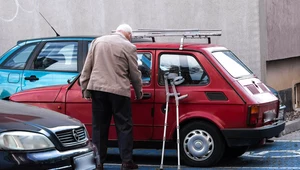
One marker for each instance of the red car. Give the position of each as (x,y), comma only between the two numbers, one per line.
(227,108)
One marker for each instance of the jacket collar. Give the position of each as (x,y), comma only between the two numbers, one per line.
(118,33)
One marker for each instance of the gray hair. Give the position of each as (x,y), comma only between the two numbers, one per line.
(125,28)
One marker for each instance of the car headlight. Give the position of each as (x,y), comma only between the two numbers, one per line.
(19,140)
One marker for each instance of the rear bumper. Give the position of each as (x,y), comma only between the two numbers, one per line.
(252,136)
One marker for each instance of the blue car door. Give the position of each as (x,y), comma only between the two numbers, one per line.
(12,67)
(54,64)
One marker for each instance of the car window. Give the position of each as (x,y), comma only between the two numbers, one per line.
(89,44)
(232,64)
(183,65)
(144,65)
(18,60)
(57,56)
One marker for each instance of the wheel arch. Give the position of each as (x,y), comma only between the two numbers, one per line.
(196,116)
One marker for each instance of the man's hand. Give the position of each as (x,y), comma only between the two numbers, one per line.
(139,97)
(86,95)
(88,98)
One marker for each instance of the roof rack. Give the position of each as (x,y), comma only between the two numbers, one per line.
(183,33)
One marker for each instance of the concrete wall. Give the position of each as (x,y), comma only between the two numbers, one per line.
(238,19)
(283,42)
(283,75)
(283,25)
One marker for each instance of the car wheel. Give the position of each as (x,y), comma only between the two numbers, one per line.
(201,144)
(233,152)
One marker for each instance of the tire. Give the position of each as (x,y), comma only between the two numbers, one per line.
(234,152)
(201,144)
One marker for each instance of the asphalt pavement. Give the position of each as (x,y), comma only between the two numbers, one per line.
(279,155)
(283,153)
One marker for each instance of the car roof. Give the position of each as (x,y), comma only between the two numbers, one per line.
(141,43)
(172,45)
(57,38)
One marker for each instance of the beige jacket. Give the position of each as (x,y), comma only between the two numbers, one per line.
(110,66)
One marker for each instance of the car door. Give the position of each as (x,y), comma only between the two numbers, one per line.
(53,64)
(189,65)
(12,68)
(142,110)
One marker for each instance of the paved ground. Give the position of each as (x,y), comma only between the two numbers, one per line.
(282,154)
(295,136)
(278,155)
(292,126)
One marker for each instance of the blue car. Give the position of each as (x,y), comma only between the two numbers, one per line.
(41,62)
(48,61)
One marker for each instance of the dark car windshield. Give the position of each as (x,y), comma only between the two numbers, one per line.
(232,64)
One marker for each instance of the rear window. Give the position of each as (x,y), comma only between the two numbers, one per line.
(232,64)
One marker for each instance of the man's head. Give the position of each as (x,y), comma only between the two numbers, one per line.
(126,30)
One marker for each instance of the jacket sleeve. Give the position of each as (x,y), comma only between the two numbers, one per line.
(86,72)
(135,74)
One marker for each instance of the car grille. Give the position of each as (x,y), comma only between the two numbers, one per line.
(72,137)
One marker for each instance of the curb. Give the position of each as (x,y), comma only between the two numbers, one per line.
(291,126)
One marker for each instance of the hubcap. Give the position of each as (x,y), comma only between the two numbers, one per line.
(198,145)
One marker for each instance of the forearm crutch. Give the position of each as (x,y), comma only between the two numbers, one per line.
(174,82)
(168,94)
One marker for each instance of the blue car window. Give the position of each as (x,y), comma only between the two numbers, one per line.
(144,65)
(57,56)
(18,60)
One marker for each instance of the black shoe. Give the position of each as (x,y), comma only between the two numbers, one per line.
(129,165)
(100,167)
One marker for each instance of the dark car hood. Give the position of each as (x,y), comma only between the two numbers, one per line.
(18,116)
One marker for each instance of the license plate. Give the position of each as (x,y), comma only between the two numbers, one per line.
(84,162)
(269,115)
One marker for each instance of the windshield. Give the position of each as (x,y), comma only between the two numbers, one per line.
(232,64)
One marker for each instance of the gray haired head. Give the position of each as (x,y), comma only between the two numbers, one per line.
(124,28)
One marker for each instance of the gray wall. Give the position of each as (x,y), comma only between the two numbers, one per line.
(238,19)
(283,42)
(283,23)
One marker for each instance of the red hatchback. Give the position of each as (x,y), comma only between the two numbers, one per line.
(227,108)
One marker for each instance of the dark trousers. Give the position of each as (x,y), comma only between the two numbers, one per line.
(104,106)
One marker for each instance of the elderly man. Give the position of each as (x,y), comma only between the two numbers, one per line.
(111,65)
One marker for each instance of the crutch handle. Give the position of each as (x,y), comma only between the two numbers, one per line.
(172,94)
(183,96)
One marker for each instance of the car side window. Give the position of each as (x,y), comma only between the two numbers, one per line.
(144,65)
(57,56)
(183,65)
(18,60)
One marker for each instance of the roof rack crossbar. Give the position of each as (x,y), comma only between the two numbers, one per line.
(183,33)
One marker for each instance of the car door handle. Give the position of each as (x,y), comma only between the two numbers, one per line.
(146,96)
(31,78)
